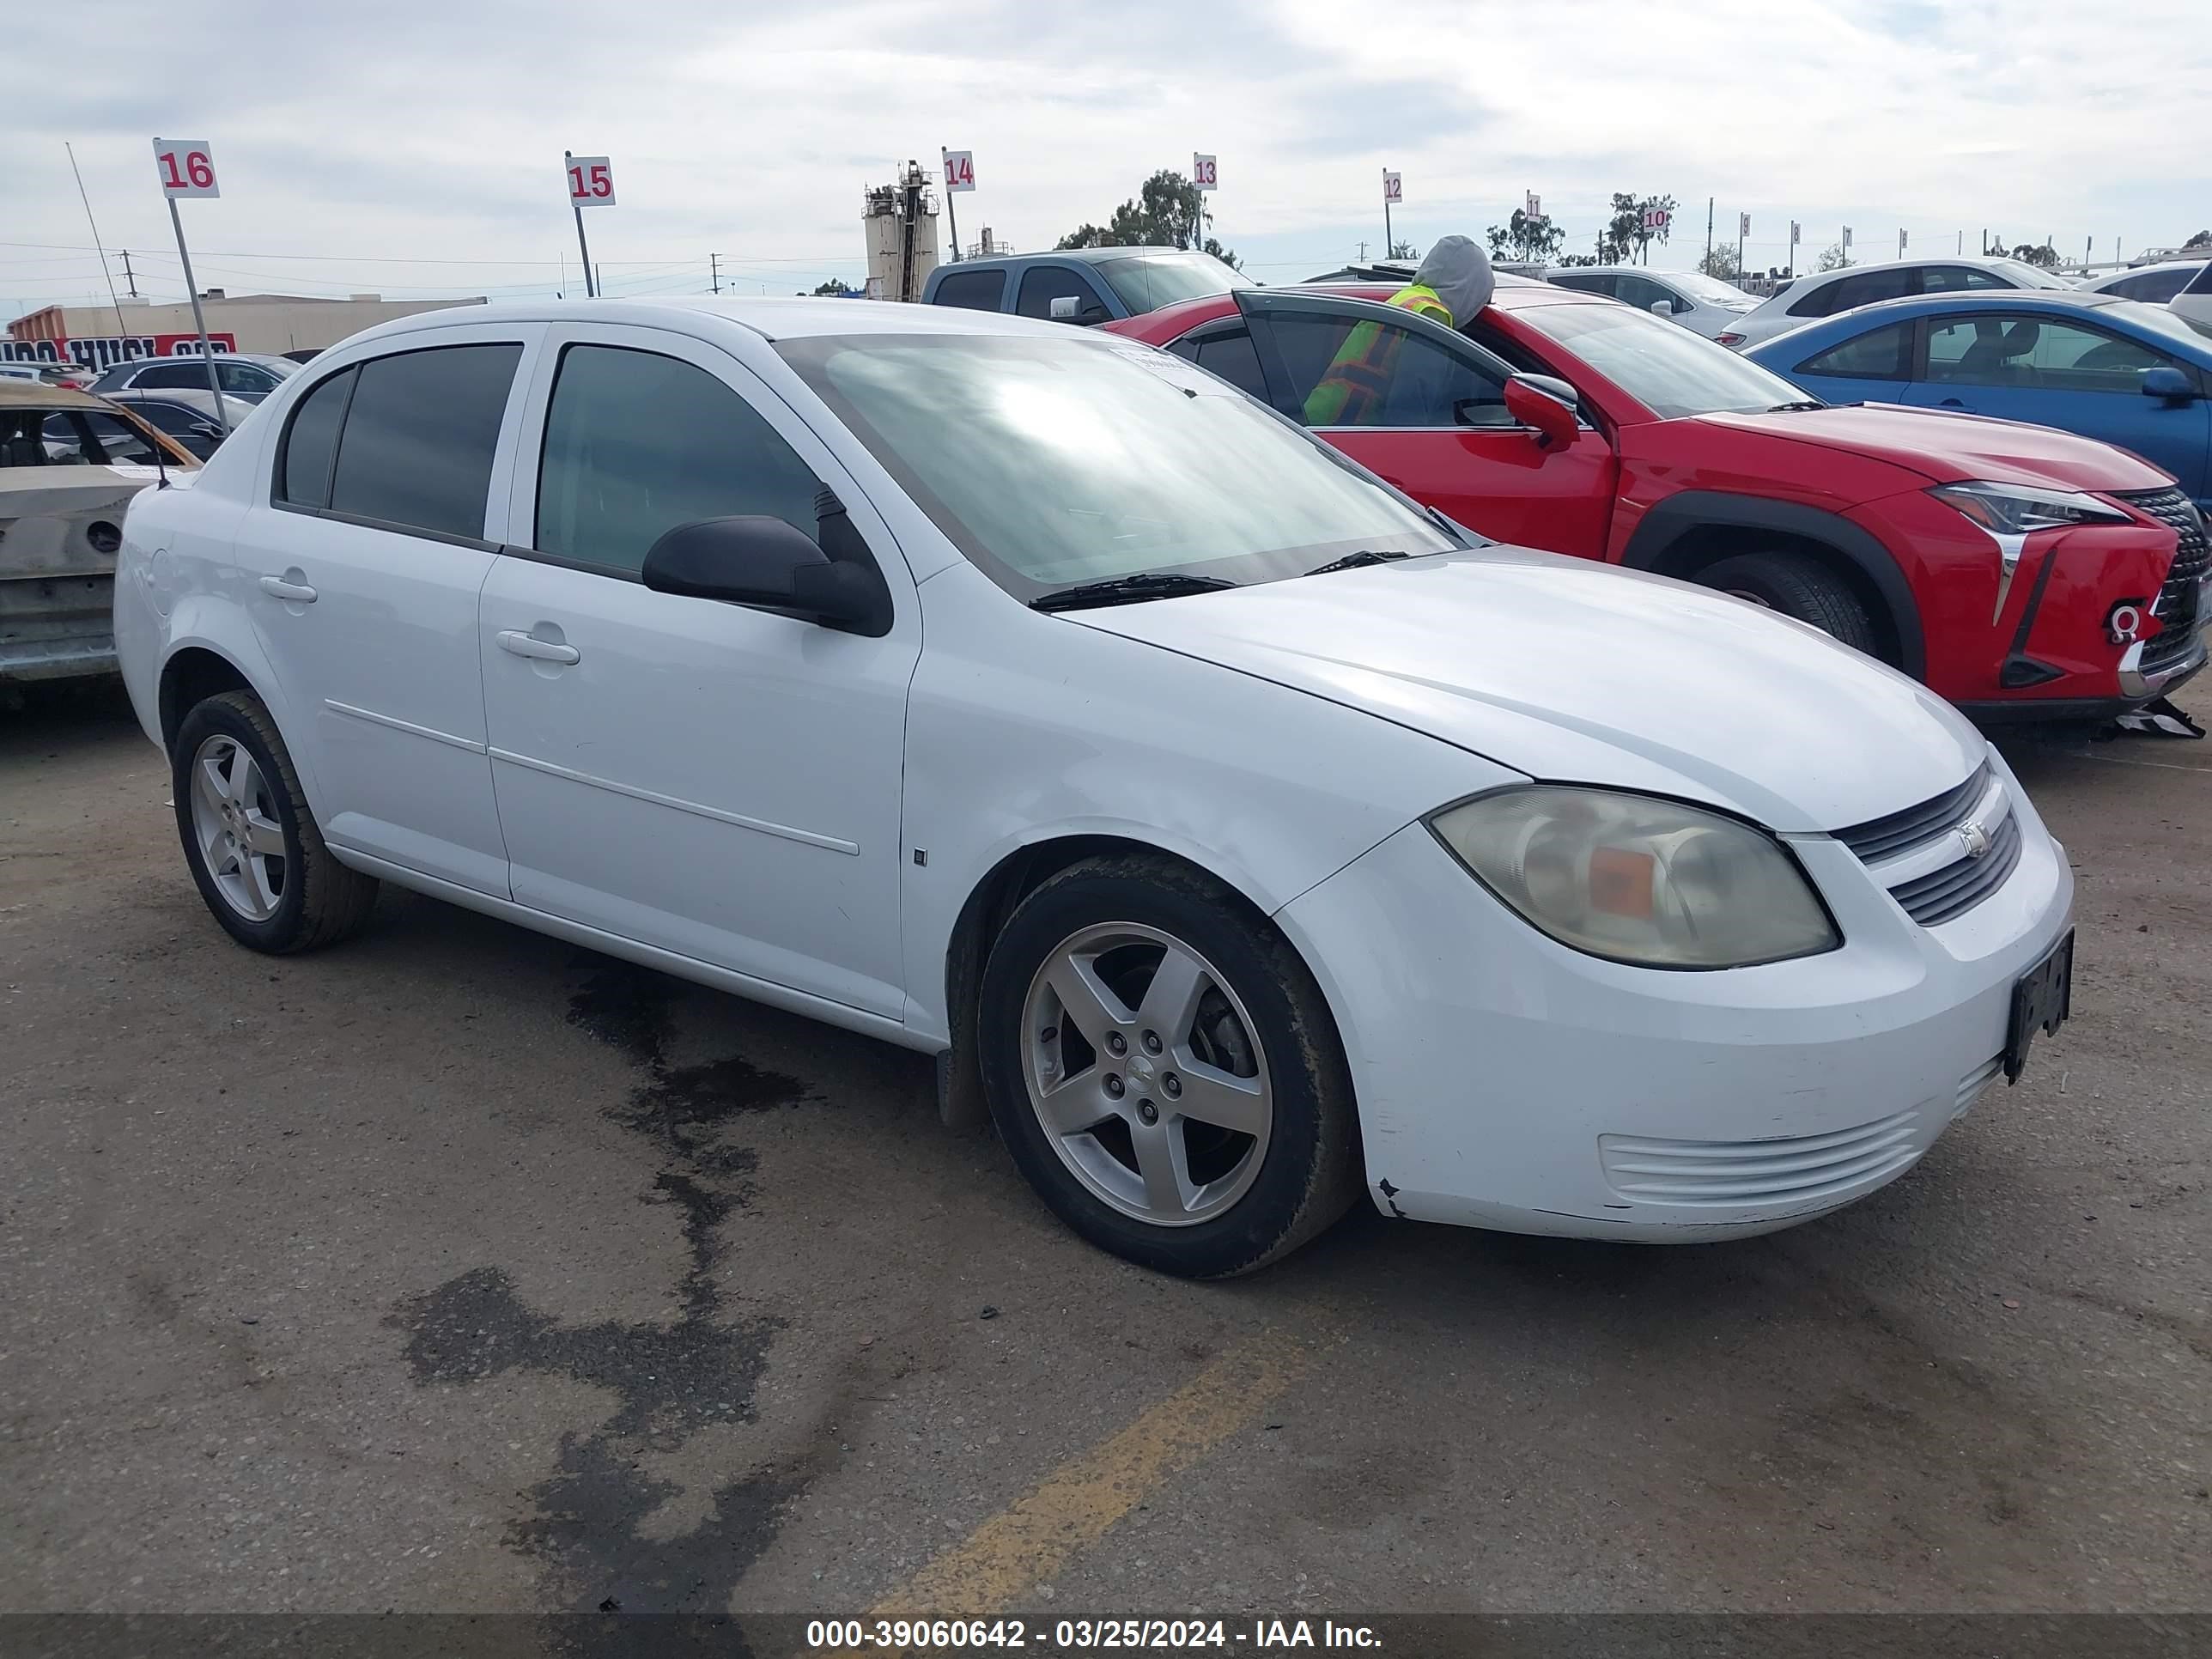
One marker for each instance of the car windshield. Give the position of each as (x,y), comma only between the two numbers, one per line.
(1055,463)
(1710,288)
(1147,281)
(2157,320)
(1661,365)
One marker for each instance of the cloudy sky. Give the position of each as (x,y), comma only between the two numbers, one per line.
(415,149)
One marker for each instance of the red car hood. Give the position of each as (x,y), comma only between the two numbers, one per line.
(1946,447)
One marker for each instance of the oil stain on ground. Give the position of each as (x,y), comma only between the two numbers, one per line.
(670,1381)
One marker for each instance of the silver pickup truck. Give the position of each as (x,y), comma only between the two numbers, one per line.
(69,463)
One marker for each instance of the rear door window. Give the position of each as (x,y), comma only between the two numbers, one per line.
(1584,281)
(973,290)
(416,451)
(2038,353)
(311,443)
(1869,288)
(1393,377)
(193,374)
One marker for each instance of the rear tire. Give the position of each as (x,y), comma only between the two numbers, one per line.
(1219,1024)
(1797,585)
(253,848)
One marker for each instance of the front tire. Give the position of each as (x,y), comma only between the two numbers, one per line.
(255,851)
(1800,586)
(1164,1071)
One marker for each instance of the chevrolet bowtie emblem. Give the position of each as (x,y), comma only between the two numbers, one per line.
(1974,839)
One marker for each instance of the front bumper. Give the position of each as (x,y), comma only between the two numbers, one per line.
(1506,1081)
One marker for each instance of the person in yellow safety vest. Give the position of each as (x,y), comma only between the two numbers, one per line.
(1453,283)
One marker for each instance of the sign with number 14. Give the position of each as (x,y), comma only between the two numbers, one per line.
(186,166)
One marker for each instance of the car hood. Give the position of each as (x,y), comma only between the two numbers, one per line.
(1573,672)
(1945,447)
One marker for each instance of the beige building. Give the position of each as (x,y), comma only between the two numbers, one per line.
(258,322)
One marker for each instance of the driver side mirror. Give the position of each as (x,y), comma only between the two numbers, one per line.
(1544,405)
(2166,381)
(768,565)
(1662,307)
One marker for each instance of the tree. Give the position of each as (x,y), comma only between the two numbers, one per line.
(1832,257)
(836,285)
(1165,210)
(2045,257)
(2202,238)
(1624,232)
(1404,251)
(1724,262)
(1533,241)
(1571,260)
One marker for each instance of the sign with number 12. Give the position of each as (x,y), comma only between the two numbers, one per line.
(1391,189)
(186,166)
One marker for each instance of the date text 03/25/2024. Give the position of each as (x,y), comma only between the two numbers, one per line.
(1085,1635)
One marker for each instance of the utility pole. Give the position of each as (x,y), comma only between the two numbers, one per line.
(1363,251)
(128,277)
(1709,236)
(713,271)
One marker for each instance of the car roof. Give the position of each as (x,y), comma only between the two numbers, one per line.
(797,318)
(1983,299)
(1512,294)
(19,394)
(1082,256)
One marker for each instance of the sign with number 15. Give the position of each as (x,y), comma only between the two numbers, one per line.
(591,181)
(186,166)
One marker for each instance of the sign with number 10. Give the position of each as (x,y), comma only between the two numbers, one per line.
(186,166)
(591,181)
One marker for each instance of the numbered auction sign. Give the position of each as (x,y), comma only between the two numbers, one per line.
(1391,189)
(1534,207)
(186,166)
(959,169)
(1205,172)
(591,181)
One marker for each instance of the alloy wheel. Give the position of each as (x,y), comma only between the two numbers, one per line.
(1143,1067)
(234,822)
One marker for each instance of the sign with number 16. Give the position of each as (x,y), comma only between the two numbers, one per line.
(186,166)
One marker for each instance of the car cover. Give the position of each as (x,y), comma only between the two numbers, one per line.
(1460,273)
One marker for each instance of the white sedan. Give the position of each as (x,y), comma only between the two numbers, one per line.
(1242,833)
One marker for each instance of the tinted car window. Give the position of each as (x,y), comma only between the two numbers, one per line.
(1147,281)
(244,379)
(117,440)
(419,434)
(311,443)
(1959,279)
(972,290)
(2152,287)
(2037,353)
(1642,293)
(170,417)
(1819,301)
(1228,353)
(636,444)
(1042,284)
(1869,287)
(1422,384)
(174,375)
(1584,281)
(1884,353)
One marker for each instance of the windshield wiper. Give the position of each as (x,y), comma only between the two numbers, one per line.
(1803,403)
(1128,590)
(1354,561)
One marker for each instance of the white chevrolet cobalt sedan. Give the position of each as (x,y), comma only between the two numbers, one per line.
(1240,833)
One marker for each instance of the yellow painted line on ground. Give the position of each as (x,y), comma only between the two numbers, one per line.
(1035,1536)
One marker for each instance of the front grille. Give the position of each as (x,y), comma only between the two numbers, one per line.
(1788,1170)
(1958,886)
(2177,600)
(1880,838)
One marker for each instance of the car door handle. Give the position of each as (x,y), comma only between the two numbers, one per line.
(1952,403)
(520,644)
(298,592)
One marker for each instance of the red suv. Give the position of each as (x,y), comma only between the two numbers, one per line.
(2016,570)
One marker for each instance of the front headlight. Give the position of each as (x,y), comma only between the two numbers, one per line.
(1637,879)
(2014,509)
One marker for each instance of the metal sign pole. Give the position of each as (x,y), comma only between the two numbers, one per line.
(951,215)
(199,317)
(591,287)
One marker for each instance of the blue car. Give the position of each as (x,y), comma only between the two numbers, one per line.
(2133,375)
